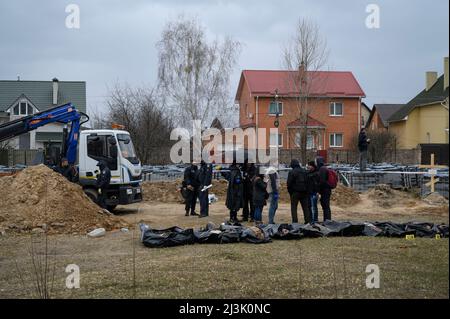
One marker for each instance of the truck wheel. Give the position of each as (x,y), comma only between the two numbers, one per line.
(111,208)
(92,194)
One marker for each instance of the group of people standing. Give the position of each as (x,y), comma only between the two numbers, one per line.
(250,188)
(195,185)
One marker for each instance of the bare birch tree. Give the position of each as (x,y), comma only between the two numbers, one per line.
(140,112)
(305,53)
(193,74)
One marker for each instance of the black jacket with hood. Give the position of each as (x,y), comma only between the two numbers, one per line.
(323,174)
(297,181)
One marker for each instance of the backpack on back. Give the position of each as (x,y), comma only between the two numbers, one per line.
(333,178)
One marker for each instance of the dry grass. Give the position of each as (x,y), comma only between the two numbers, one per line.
(309,268)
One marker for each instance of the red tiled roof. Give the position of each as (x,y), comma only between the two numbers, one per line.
(322,83)
(312,122)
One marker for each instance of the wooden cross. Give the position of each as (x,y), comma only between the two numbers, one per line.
(432,171)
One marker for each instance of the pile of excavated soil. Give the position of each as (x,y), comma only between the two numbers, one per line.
(343,196)
(38,199)
(162,191)
(385,196)
(168,191)
(436,199)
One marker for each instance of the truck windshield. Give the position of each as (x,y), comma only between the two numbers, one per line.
(127,148)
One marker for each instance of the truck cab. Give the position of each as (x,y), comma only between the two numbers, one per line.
(114,147)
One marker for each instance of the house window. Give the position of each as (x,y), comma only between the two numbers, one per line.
(23,108)
(336,140)
(276,108)
(336,109)
(273,139)
(310,144)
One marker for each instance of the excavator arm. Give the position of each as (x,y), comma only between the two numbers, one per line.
(65,114)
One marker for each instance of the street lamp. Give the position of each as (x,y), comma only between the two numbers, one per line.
(276,123)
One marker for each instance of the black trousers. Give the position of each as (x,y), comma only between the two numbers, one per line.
(191,200)
(203,198)
(303,198)
(249,209)
(233,214)
(325,196)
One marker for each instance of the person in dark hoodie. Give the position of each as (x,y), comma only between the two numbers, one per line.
(313,190)
(204,180)
(324,188)
(297,185)
(248,173)
(363,145)
(191,184)
(235,192)
(102,183)
(260,196)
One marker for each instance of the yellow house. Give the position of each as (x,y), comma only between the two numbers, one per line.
(424,120)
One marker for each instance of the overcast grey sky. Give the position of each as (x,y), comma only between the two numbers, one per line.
(116,40)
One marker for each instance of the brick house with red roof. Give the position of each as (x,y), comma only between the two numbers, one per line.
(334,104)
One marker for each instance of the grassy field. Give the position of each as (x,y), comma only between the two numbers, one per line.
(308,268)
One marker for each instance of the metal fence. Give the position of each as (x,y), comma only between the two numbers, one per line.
(11,157)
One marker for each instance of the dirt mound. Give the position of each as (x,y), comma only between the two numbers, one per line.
(385,196)
(436,199)
(162,191)
(168,191)
(344,196)
(38,198)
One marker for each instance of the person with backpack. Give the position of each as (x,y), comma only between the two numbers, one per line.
(272,179)
(313,184)
(260,197)
(328,180)
(297,185)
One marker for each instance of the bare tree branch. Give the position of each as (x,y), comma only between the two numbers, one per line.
(305,53)
(194,75)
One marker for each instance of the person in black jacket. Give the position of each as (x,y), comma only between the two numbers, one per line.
(363,144)
(324,188)
(313,190)
(66,170)
(235,192)
(297,185)
(248,173)
(103,181)
(204,180)
(260,196)
(191,184)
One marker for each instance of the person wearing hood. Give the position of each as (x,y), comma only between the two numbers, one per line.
(272,179)
(204,180)
(363,145)
(297,185)
(235,192)
(313,190)
(103,181)
(191,185)
(324,188)
(248,173)
(260,196)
